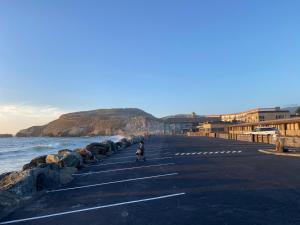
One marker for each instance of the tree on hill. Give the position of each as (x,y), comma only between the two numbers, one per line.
(298,111)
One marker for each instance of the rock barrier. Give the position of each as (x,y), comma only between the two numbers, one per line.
(52,171)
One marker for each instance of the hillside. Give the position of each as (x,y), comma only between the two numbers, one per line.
(292,109)
(98,122)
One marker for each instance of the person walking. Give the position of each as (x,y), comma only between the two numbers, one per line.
(140,153)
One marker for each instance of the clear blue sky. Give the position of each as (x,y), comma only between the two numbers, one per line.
(164,56)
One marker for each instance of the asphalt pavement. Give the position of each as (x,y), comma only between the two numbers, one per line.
(185,180)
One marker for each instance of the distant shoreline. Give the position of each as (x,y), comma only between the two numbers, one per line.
(6,135)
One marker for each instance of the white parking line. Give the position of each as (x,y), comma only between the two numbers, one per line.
(133,152)
(113,182)
(113,163)
(92,208)
(128,168)
(133,156)
(210,153)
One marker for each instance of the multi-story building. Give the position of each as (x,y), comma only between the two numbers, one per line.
(257,115)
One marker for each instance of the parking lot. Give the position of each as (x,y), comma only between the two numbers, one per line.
(185,180)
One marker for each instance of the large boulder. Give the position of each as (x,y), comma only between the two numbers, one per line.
(97,148)
(65,158)
(35,162)
(118,145)
(125,143)
(8,203)
(111,145)
(85,154)
(54,159)
(64,152)
(73,159)
(66,175)
(18,188)
(28,182)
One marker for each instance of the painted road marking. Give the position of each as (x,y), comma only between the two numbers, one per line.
(113,163)
(134,151)
(133,156)
(113,182)
(92,208)
(205,153)
(128,168)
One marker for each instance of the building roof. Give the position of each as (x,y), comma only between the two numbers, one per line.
(218,122)
(269,122)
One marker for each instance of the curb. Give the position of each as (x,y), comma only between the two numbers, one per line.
(272,152)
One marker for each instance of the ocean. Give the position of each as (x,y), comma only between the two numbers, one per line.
(15,152)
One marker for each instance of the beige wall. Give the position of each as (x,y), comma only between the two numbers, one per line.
(286,129)
(208,127)
(252,117)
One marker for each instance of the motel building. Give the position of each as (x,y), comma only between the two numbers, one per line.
(287,127)
(257,115)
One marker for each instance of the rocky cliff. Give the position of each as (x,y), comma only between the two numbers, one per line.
(98,122)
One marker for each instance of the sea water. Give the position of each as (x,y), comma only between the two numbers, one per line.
(17,151)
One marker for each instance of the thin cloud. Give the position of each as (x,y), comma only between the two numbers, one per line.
(14,117)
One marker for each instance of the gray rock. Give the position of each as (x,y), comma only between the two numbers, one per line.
(111,145)
(73,159)
(8,203)
(64,152)
(125,143)
(85,154)
(35,162)
(29,182)
(97,148)
(55,159)
(65,158)
(18,188)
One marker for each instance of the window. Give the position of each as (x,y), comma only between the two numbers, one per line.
(279,117)
(261,118)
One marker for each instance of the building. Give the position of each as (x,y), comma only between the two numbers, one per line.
(214,127)
(257,115)
(184,124)
(287,127)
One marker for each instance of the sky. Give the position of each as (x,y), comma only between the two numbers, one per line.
(163,56)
